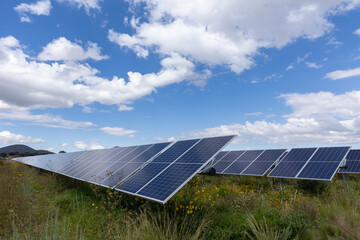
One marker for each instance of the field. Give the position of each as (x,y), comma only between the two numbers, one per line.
(40,205)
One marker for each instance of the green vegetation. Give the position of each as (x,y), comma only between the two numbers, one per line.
(37,205)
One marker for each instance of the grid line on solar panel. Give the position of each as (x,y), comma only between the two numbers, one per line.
(219,165)
(250,156)
(176,150)
(236,157)
(352,162)
(171,152)
(218,157)
(292,163)
(262,164)
(324,163)
(186,172)
(168,181)
(197,154)
(139,160)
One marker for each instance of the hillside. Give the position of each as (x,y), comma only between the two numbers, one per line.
(22,149)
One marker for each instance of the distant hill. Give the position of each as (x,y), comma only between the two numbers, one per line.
(20,149)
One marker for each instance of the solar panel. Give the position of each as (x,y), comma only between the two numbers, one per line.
(238,166)
(228,158)
(352,162)
(324,164)
(262,164)
(165,175)
(292,163)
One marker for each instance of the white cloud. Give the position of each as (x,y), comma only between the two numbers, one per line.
(88,146)
(61,49)
(86,4)
(64,144)
(117,131)
(340,74)
(316,118)
(333,41)
(313,65)
(58,85)
(22,115)
(291,66)
(7,137)
(41,7)
(254,114)
(231,33)
(357,32)
(301,59)
(124,107)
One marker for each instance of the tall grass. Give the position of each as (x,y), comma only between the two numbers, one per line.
(46,206)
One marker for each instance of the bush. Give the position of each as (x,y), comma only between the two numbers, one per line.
(313,187)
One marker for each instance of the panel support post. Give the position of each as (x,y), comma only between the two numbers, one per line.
(344,180)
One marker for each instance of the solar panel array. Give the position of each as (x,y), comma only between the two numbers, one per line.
(352,162)
(163,167)
(299,163)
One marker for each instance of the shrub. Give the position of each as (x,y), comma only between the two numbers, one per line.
(313,187)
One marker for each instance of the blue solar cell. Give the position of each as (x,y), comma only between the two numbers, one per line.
(150,152)
(169,181)
(292,163)
(352,162)
(236,167)
(221,166)
(262,164)
(121,174)
(324,164)
(175,151)
(139,179)
(220,155)
(204,150)
(250,155)
(333,154)
(319,170)
(232,156)
(353,166)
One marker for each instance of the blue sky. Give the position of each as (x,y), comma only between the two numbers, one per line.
(77,74)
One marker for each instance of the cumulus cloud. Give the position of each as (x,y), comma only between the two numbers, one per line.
(61,85)
(321,117)
(7,137)
(87,146)
(117,131)
(88,5)
(254,114)
(340,74)
(61,49)
(41,7)
(231,33)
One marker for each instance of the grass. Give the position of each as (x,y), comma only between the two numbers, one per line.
(40,205)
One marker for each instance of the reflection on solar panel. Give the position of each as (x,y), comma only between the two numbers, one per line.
(352,162)
(165,175)
(164,167)
(292,163)
(324,164)
(262,164)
